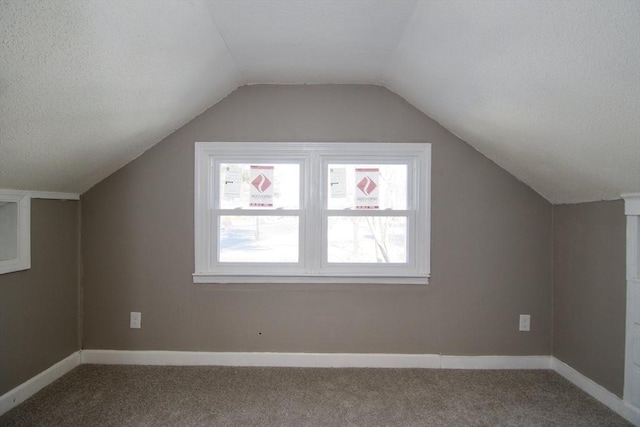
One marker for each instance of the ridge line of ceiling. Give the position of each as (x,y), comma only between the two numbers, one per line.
(241,78)
(397,51)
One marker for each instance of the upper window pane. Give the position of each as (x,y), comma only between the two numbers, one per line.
(259,186)
(367,186)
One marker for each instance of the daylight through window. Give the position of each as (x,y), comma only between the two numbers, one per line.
(312,212)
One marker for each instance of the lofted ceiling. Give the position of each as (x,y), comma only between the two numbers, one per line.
(550,91)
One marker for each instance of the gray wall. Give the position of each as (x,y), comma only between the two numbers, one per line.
(39,306)
(491,246)
(589,296)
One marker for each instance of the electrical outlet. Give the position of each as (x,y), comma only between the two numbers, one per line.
(135,320)
(525,322)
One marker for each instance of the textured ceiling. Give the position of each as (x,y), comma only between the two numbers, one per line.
(87,86)
(548,90)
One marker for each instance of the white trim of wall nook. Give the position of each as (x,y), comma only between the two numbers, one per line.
(44,194)
(14,397)
(631,203)
(16,231)
(632,339)
(316,360)
(20,229)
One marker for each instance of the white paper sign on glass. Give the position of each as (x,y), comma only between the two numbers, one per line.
(261,186)
(232,181)
(338,182)
(367,182)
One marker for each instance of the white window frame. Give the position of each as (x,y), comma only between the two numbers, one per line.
(23,231)
(313,158)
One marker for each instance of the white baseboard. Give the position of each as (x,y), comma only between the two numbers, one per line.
(495,362)
(598,392)
(307,360)
(27,389)
(314,360)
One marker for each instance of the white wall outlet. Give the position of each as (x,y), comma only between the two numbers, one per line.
(525,322)
(135,320)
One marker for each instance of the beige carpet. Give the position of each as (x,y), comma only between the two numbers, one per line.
(98,395)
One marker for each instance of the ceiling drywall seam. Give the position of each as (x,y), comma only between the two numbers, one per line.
(240,73)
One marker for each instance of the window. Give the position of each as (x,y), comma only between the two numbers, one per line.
(312,212)
(15,241)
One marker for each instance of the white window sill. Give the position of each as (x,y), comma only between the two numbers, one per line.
(233,279)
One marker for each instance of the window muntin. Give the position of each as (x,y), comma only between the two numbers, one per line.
(306,232)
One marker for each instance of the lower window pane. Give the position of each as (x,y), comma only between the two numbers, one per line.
(258,239)
(371,239)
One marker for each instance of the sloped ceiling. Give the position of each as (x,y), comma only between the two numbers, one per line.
(548,90)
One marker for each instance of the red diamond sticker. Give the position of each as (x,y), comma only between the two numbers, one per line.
(261,182)
(366,185)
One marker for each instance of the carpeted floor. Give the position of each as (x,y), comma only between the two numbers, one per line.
(100,395)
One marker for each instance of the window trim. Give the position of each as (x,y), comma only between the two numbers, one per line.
(313,157)
(23,231)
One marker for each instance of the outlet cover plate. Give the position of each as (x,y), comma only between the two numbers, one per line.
(135,321)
